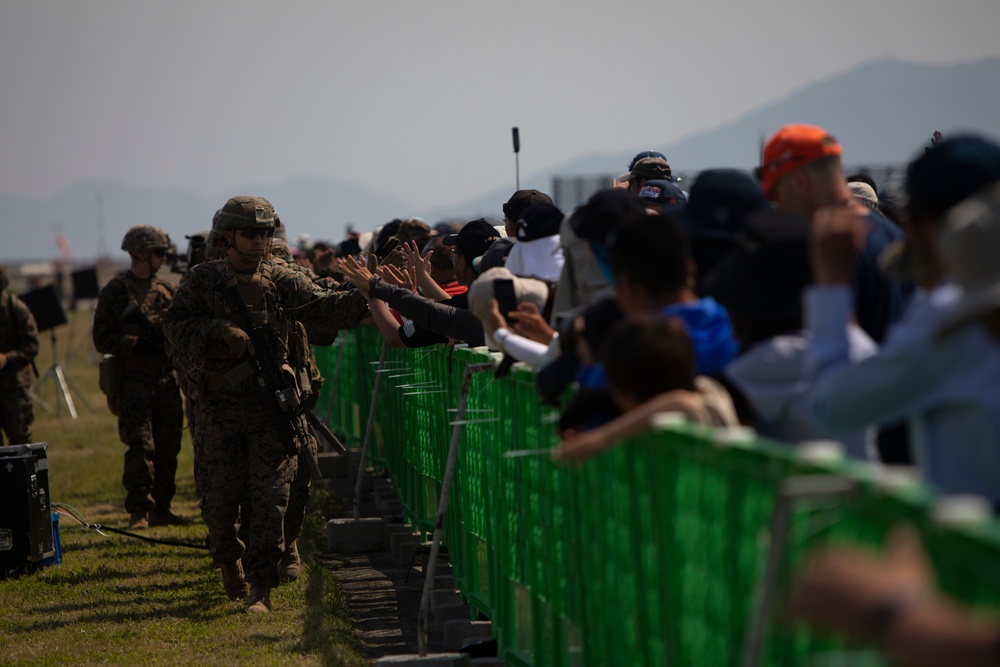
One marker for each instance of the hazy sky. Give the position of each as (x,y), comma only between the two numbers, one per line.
(414,98)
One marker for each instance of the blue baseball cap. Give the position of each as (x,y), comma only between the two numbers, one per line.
(951,171)
(661,193)
(719,203)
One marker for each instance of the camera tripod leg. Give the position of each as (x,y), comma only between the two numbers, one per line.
(76,390)
(42,402)
(61,377)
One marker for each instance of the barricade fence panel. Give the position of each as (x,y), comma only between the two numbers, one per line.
(651,554)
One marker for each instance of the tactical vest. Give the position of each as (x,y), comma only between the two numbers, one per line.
(153,304)
(262,299)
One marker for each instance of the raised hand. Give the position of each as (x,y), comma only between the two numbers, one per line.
(838,235)
(396,276)
(415,261)
(528,322)
(357,274)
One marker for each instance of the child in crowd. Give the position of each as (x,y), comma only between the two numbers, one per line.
(651,366)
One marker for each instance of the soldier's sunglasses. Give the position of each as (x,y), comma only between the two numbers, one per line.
(159,252)
(253,233)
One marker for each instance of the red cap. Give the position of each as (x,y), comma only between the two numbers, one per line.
(792,147)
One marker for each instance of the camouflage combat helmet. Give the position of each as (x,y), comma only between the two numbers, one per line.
(143,238)
(280,232)
(242,212)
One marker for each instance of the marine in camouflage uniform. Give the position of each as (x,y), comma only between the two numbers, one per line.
(149,408)
(243,459)
(18,347)
(303,359)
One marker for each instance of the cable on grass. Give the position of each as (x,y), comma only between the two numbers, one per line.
(74,514)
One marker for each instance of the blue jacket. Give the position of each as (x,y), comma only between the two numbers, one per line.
(707,323)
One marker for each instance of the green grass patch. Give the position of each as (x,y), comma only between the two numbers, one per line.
(119,601)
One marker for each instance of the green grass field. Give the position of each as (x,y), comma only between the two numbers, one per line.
(115,600)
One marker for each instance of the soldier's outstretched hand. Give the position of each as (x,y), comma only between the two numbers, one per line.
(357,274)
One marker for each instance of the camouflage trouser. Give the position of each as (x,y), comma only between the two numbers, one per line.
(196,448)
(298,496)
(150,419)
(298,499)
(243,462)
(16,415)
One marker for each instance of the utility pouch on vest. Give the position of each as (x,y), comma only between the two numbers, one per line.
(109,380)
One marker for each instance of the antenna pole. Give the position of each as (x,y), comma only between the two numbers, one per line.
(517,161)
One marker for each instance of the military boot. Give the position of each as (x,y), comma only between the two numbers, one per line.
(138,521)
(290,565)
(259,600)
(232,580)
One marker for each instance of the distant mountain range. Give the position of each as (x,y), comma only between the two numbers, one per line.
(883,112)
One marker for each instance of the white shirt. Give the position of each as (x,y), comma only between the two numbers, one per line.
(772,377)
(541,258)
(948,389)
(531,352)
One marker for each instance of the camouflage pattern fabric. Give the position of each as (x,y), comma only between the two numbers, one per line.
(143,238)
(19,342)
(244,211)
(298,497)
(353,307)
(150,409)
(150,419)
(16,416)
(242,460)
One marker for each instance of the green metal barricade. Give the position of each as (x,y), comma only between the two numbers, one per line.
(651,554)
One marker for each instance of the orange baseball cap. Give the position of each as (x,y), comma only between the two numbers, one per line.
(792,147)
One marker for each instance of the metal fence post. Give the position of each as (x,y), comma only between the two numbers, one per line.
(449,471)
(368,432)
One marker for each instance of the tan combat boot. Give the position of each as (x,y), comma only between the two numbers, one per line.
(290,565)
(232,580)
(259,600)
(138,521)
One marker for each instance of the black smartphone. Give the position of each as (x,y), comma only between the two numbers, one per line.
(503,292)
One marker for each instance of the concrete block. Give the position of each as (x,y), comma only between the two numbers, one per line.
(441,569)
(403,544)
(331,465)
(366,481)
(405,552)
(459,632)
(443,582)
(450,612)
(429,660)
(440,598)
(350,536)
(389,504)
(392,512)
(384,496)
(342,487)
(394,528)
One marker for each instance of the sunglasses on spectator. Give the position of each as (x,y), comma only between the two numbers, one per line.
(256,233)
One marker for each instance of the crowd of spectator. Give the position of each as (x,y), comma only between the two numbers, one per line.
(798,301)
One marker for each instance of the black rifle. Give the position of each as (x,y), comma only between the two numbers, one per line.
(281,399)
